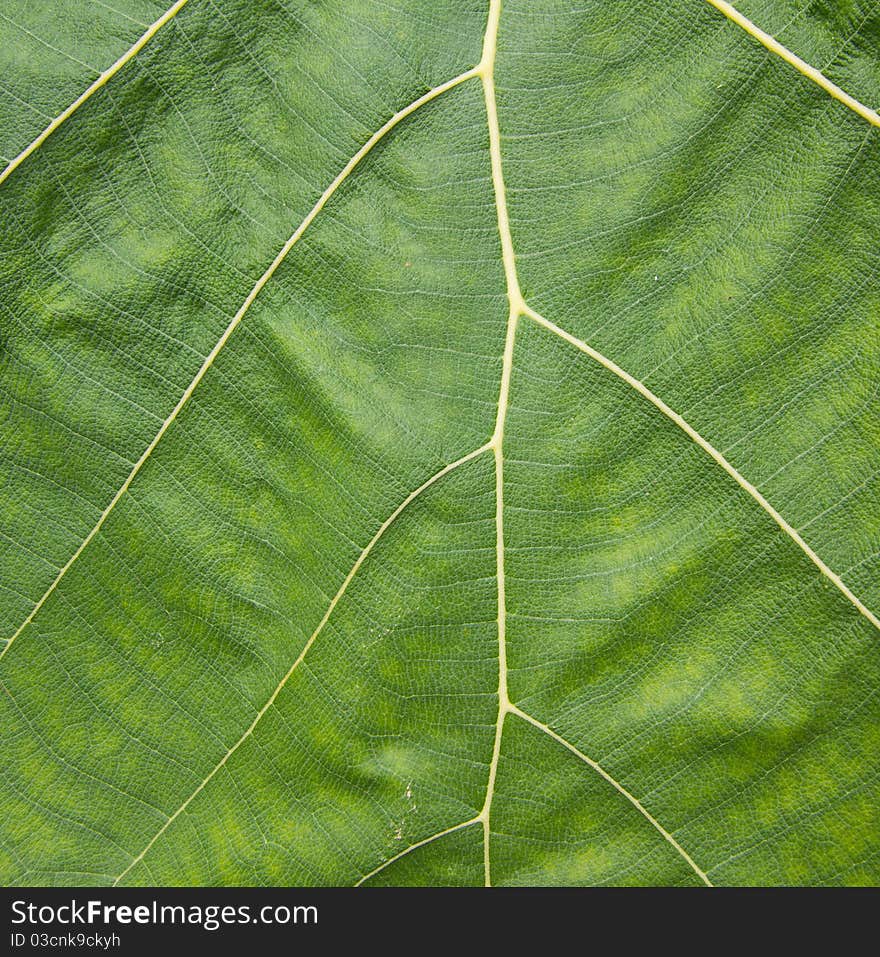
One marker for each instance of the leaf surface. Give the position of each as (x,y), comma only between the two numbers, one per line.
(439,445)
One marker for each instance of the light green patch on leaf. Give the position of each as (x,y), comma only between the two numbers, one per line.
(439,443)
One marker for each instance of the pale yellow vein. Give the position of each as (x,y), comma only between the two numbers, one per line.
(108,74)
(236,319)
(516,305)
(416,846)
(517,308)
(774,46)
(710,449)
(320,627)
(616,784)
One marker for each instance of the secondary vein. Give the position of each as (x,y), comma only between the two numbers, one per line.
(636,803)
(710,449)
(320,627)
(774,46)
(340,178)
(108,74)
(414,847)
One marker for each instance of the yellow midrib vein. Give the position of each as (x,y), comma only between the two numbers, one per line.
(769,42)
(478,819)
(517,308)
(108,74)
(774,46)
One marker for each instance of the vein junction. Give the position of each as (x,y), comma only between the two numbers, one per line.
(518,309)
(342,589)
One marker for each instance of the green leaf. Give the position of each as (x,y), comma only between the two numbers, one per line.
(439,443)
(46,70)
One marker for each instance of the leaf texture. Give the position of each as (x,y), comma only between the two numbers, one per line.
(439,443)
